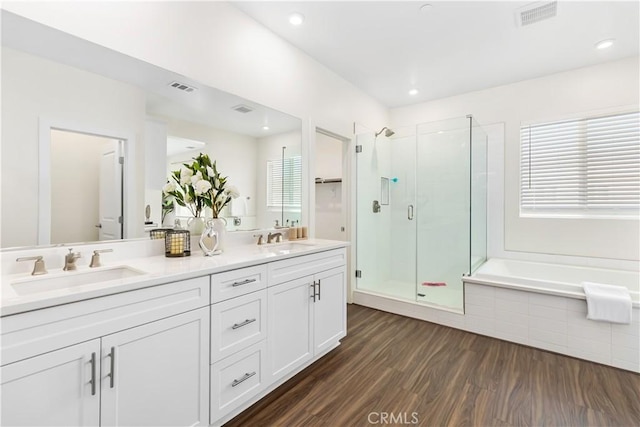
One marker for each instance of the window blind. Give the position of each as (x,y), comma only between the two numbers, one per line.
(284,182)
(587,166)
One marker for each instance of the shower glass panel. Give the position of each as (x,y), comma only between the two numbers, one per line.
(443,211)
(478,196)
(433,229)
(386,237)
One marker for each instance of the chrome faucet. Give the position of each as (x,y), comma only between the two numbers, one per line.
(38,267)
(70,260)
(277,236)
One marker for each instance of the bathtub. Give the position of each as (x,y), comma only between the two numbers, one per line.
(552,279)
(543,305)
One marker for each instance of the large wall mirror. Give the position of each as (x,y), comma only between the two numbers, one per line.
(90,136)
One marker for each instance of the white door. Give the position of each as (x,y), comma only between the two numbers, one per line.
(110,198)
(289,326)
(53,389)
(329,309)
(157,374)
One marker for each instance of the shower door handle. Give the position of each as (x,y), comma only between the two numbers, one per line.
(410,212)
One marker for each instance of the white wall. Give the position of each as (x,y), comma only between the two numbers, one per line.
(155,166)
(599,87)
(35,88)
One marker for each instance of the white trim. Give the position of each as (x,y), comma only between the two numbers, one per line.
(45,124)
(621,109)
(348,190)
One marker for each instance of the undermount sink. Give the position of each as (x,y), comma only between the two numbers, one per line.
(72,279)
(288,247)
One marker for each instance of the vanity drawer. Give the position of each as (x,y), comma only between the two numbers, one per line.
(234,283)
(238,323)
(306,265)
(236,379)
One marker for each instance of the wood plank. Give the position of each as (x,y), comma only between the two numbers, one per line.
(400,366)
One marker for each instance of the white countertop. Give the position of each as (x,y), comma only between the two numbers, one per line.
(157,270)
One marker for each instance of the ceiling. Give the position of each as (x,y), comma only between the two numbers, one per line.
(387,48)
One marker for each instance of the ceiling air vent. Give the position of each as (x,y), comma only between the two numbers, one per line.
(241,108)
(183,87)
(536,12)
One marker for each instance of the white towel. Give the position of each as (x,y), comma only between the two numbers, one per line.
(608,303)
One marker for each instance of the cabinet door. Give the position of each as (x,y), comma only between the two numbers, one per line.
(53,389)
(289,325)
(329,309)
(157,374)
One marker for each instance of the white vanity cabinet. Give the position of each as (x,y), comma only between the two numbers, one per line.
(238,334)
(135,358)
(152,375)
(53,389)
(307,309)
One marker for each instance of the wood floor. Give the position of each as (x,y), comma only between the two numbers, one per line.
(419,373)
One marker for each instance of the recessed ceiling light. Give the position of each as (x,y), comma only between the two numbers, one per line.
(604,44)
(413,92)
(426,8)
(265,127)
(296,19)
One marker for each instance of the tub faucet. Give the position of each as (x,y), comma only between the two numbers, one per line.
(276,236)
(70,260)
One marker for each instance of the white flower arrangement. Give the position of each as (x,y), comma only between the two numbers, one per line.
(200,185)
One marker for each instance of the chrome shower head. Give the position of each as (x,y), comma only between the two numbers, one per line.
(387,132)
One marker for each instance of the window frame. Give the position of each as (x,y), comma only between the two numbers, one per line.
(580,213)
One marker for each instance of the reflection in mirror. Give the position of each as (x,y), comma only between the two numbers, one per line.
(86,187)
(51,78)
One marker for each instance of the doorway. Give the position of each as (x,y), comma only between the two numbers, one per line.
(86,187)
(330,187)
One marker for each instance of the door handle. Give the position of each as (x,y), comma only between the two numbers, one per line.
(319,289)
(98,225)
(112,374)
(313,295)
(93,374)
(410,212)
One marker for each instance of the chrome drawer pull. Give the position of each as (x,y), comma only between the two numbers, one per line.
(243,379)
(112,374)
(240,325)
(93,374)
(314,295)
(244,282)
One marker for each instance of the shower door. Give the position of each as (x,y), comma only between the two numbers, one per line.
(421,211)
(386,226)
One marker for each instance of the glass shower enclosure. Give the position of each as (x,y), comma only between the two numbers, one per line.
(421,211)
